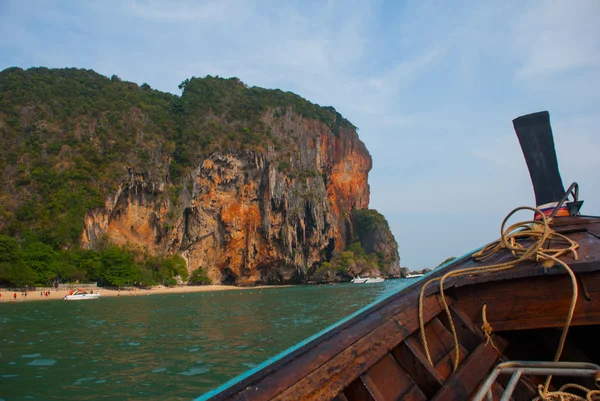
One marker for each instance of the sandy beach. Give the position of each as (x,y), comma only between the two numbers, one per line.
(8,296)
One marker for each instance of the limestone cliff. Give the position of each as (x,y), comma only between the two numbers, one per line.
(249,216)
(252,185)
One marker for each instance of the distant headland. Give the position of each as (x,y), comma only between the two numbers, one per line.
(108,181)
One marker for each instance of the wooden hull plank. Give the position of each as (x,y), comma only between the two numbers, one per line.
(343,369)
(414,362)
(414,394)
(522,304)
(445,365)
(463,383)
(386,381)
(469,336)
(439,340)
(356,391)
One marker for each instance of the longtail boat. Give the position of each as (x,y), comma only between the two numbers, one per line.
(517,319)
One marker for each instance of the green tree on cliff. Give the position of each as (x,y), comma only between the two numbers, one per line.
(13,269)
(43,260)
(200,277)
(119,268)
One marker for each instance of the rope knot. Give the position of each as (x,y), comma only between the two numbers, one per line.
(487,329)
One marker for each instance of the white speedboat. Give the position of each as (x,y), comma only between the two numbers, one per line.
(77,295)
(369,280)
(414,275)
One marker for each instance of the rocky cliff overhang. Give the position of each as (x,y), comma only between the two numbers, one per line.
(248,216)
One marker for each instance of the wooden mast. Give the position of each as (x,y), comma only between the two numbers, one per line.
(535,136)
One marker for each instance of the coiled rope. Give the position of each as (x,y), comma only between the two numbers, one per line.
(537,230)
(562,395)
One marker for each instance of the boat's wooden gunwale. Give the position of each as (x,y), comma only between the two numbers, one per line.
(588,261)
(332,363)
(524,303)
(558,222)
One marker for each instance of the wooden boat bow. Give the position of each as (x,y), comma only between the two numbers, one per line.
(378,354)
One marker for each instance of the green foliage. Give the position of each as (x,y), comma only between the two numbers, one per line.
(173,193)
(367,223)
(175,266)
(86,261)
(450,259)
(118,267)
(234,101)
(326,266)
(308,174)
(146,277)
(284,166)
(10,250)
(200,277)
(43,260)
(170,282)
(35,262)
(354,260)
(215,113)
(17,274)
(323,272)
(72,133)
(183,84)
(367,220)
(68,138)
(158,270)
(66,131)
(78,276)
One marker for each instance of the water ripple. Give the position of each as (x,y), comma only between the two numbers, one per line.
(164,346)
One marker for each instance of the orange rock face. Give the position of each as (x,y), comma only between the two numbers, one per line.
(259,216)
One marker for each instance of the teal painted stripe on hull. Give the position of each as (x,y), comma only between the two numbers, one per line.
(293,348)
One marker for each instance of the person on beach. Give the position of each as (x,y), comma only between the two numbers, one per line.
(15,295)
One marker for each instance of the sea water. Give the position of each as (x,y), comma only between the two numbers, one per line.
(175,346)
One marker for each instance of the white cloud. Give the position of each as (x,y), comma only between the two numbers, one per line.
(556,36)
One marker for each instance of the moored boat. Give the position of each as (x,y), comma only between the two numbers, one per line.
(527,305)
(80,295)
(367,280)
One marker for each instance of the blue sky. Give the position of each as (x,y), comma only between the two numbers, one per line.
(432,86)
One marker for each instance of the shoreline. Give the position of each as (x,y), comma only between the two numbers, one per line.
(32,296)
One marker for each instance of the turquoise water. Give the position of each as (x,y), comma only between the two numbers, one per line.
(173,347)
